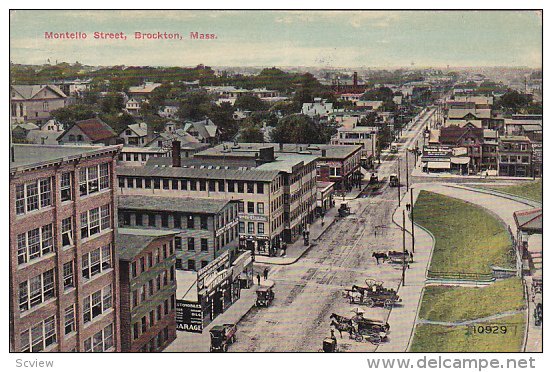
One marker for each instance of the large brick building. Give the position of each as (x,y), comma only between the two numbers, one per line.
(148,289)
(63,272)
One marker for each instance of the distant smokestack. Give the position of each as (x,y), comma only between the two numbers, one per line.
(355,79)
(176,157)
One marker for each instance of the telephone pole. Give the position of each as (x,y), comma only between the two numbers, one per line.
(412,214)
(404,248)
(399,183)
(406,155)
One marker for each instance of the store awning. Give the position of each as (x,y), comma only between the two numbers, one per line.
(437,165)
(460,160)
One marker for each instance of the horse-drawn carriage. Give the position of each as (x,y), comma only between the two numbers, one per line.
(360,329)
(374,294)
(399,257)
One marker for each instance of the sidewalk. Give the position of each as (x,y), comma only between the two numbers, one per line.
(296,250)
(417,172)
(403,317)
(200,342)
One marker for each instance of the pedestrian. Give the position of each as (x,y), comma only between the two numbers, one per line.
(407,207)
(265,273)
(284,249)
(258,279)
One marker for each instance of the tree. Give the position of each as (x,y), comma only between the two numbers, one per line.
(379,94)
(117,121)
(222,116)
(112,103)
(195,106)
(70,114)
(514,101)
(249,102)
(300,128)
(250,132)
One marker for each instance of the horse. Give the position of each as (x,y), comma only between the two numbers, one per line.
(378,255)
(341,323)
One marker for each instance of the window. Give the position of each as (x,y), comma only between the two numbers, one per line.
(67,231)
(156,183)
(204,263)
(151,220)
(96,262)
(193,185)
(250,207)
(34,244)
(260,188)
(191,265)
(36,290)
(177,221)
(250,187)
(166,307)
(164,220)
(184,184)
(65,186)
(260,227)
(203,223)
(90,221)
(97,303)
(241,227)
(240,187)
(150,259)
(212,186)
(134,270)
(144,324)
(230,186)
(152,318)
(191,244)
(68,275)
(103,340)
(240,207)
(204,244)
(190,222)
(221,186)
(251,228)
(139,219)
(260,208)
(93,179)
(178,243)
(147,183)
(202,186)
(150,287)
(33,196)
(40,336)
(142,264)
(134,298)
(179,263)
(135,330)
(69,319)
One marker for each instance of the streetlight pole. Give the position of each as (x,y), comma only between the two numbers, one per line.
(412,214)
(399,183)
(404,248)
(406,156)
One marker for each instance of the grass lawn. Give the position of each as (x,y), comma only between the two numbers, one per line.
(437,338)
(451,304)
(528,190)
(468,238)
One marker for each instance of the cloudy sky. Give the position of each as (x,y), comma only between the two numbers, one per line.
(277,38)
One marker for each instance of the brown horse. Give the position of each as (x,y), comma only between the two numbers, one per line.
(378,255)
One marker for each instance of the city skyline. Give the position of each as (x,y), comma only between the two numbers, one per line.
(318,39)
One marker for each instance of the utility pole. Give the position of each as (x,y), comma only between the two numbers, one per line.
(399,183)
(406,156)
(412,214)
(404,249)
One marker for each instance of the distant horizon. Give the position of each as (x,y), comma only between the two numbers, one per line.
(305,39)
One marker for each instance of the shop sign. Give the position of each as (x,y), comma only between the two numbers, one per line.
(253,217)
(189,316)
(222,261)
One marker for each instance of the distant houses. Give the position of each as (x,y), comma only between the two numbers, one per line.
(34,103)
(90,131)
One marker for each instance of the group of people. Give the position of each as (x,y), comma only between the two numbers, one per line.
(265,276)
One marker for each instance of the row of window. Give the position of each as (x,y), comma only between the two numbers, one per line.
(191,264)
(156,342)
(35,243)
(167,251)
(95,221)
(514,159)
(251,227)
(179,220)
(35,195)
(251,207)
(149,289)
(155,316)
(97,303)
(36,290)
(157,183)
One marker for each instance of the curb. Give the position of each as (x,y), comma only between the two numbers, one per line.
(500,194)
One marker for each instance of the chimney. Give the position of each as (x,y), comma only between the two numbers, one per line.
(355,79)
(176,160)
(149,133)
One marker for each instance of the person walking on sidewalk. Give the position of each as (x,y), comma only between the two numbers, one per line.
(258,279)
(265,273)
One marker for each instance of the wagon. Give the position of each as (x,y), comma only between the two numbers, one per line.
(373,331)
(265,295)
(399,257)
(374,294)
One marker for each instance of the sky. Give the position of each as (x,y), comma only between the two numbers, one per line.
(284,38)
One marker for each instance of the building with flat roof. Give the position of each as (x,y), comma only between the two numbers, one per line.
(148,289)
(204,228)
(63,273)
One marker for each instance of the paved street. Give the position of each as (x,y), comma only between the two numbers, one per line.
(309,291)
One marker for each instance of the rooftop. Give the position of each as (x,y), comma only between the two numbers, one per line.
(171,204)
(206,173)
(130,242)
(35,155)
(529,219)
